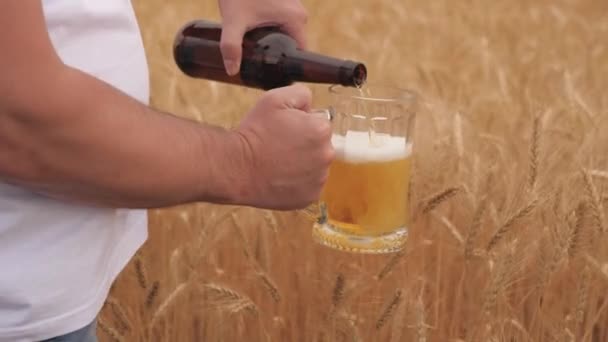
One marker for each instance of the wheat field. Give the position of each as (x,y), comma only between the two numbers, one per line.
(510,189)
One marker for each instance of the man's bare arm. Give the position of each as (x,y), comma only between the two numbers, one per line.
(71,136)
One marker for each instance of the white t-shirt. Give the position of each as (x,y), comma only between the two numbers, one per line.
(58,260)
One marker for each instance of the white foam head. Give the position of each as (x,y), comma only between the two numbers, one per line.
(361,147)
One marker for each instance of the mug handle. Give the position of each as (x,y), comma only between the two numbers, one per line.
(324,113)
(316,211)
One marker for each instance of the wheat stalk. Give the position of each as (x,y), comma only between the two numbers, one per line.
(398,327)
(450,227)
(179,257)
(163,307)
(457,129)
(534,151)
(582,298)
(599,173)
(558,201)
(388,311)
(239,232)
(602,269)
(119,314)
(271,221)
(575,96)
(262,254)
(346,328)
(420,324)
(474,228)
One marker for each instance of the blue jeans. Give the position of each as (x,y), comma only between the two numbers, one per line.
(86,334)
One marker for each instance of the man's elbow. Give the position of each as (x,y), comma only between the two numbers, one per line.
(30,95)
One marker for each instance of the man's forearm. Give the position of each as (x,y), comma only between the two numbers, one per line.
(104,148)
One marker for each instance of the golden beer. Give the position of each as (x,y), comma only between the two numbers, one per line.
(366,193)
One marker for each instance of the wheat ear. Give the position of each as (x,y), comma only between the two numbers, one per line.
(575,241)
(499,281)
(338,292)
(559,247)
(230,299)
(392,262)
(435,200)
(582,297)
(388,311)
(270,286)
(114,335)
(595,203)
(521,213)
(141,271)
(474,228)
(152,294)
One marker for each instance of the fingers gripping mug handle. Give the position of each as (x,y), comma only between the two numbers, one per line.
(316,211)
(324,113)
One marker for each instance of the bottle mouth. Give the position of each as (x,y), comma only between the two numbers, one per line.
(353,74)
(359,75)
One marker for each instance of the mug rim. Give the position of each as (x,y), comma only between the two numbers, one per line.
(407,96)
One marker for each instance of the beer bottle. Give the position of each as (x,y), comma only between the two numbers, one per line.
(270,59)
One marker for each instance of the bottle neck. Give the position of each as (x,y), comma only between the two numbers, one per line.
(305,66)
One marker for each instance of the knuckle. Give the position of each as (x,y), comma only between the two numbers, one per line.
(229,49)
(324,131)
(227,46)
(314,196)
(323,178)
(328,156)
(301,90)
(303,199)
(272,97)
(299,13)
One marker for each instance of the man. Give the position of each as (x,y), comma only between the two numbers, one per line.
(82,155)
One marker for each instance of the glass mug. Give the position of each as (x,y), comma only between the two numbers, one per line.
(364,205)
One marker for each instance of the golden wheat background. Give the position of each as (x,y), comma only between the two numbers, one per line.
(510,189)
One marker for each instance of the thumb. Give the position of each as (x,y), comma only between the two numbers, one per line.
(231,46)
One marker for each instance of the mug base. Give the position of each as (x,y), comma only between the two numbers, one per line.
(328,235)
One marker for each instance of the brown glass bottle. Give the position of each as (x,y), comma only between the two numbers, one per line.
(270,59)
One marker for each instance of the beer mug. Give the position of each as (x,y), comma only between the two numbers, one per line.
(364,205)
